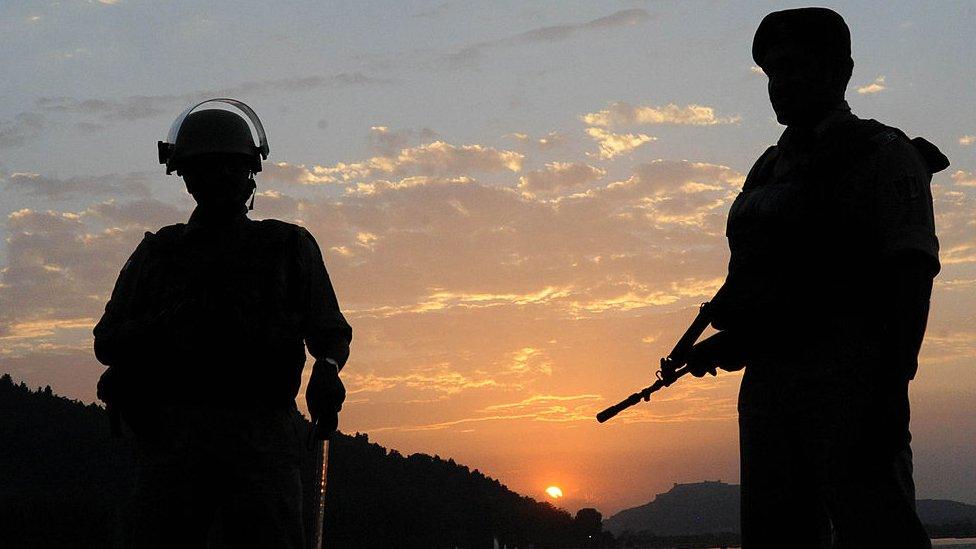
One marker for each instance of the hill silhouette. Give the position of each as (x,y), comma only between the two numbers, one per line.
(64,481)
(712,508)
(701,508)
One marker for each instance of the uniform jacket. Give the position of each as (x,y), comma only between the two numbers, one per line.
(221,313)
(818,219)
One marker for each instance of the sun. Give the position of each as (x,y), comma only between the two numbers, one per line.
(554,492)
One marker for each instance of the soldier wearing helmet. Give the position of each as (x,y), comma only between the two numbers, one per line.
(204,338)
(833,252)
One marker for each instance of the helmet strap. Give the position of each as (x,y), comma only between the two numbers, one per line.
(254,191)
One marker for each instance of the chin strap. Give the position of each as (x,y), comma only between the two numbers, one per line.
(254,191)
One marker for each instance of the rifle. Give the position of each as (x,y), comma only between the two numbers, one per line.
(672,367)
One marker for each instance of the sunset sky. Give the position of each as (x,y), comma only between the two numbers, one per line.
(520,204)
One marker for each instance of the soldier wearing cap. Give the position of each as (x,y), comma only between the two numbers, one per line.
(205,337)
(833,252)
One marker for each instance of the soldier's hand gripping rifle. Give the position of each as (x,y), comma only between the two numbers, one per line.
(672,367)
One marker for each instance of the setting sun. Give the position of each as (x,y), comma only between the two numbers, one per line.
(554,492)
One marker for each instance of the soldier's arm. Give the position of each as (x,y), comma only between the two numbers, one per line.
(909,251)
(121,333)
(327,336)
(326,332)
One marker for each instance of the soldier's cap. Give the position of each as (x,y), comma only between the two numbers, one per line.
(821,30)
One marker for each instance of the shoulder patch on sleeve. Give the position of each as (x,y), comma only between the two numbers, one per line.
(884,137)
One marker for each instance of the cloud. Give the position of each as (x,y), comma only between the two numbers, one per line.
(539,408)
(551,140)
(32,124)
(964,179)
(559,176)
(142,214)
(60,266)
(23,127)
(380,186)
(441,300)
(967,139)
(622,18)
(56,269)
(283,172)
(432,159)
(137,107)
(754,69)
(385,142)
(52,188)
(624,114)
(955,218)
(615,144)
(874,87)
(553,33)
(437,379)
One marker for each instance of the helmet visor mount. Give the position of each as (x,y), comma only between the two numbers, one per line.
(167,149)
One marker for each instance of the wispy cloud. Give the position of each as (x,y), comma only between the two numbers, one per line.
(439,379)
(441,300)
(45,327)
(131,185)
(553,33)
(967,139)
(136,107)
(539,408)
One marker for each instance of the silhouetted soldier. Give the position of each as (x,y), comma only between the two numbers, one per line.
(205,339)
(833,254)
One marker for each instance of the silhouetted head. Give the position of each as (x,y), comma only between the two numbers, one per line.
(806,53)
(215,155)
(218,181)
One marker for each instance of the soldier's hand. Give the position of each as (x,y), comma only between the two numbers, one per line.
(721,350)
(324,398)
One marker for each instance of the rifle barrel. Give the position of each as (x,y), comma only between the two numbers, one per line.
(633,399)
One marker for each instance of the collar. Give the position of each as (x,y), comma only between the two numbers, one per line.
(205,220)
(794,137)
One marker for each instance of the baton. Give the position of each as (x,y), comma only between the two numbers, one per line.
(320,516)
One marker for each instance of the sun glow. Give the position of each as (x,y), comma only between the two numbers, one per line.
(554,492)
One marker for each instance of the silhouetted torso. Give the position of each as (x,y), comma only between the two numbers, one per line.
(810,232)
(218,311)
